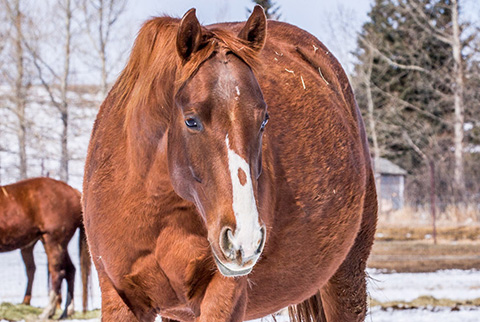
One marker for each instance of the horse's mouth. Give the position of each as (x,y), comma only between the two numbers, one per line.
(228,272)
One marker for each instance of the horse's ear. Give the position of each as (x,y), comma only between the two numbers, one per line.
(189,35)
(255,29)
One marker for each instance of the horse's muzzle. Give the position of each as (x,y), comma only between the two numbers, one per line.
(239,259)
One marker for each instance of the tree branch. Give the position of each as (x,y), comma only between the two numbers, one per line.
(388,60)
(435,32)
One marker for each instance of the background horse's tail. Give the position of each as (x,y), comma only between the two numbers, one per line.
(85,265)
(310,310)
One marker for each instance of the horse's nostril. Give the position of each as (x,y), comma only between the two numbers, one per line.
(237,252)
(226,243)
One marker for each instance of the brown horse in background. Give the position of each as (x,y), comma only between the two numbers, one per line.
(197,210)
(48,210)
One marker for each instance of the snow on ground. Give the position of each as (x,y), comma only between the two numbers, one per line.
(377,315)
(13,280)
(422,315)
(447,284)
(383,287)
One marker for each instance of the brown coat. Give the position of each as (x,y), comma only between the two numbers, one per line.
(158,178)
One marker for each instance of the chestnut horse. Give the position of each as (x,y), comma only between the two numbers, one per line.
(48,210)
(197,210)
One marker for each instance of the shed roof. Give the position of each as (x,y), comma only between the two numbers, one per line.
(384,166)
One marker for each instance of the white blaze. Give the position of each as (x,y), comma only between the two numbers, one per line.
(248,231)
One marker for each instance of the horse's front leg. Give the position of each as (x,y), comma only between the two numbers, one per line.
(225,300)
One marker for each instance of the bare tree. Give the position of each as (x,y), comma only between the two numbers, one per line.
(459,107)
(18,97)
(417,86)
(100,17)
(56,83)
(450,37)
(366,76)
(429,160)
(337,25)
(63,109)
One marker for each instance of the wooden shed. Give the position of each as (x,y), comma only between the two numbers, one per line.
(390,179)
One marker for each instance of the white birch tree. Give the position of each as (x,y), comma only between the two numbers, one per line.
(101,18)
(16,78)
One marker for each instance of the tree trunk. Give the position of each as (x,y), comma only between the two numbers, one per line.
(100,18)
(65,155)
(459,179)
(104,73)
(370,108)
(20,100)
(103,56)
(433,207)
(22,140)
(64,100)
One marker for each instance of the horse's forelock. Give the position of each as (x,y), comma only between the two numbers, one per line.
(217,40)
(154,63)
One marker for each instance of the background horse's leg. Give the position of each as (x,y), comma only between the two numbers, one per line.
(344,297)
(57,268)
(70,278)
(27,255)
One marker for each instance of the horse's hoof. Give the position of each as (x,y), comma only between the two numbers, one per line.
(44,316)
(26,299)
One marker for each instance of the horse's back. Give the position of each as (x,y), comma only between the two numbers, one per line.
(36,190)
(39,205)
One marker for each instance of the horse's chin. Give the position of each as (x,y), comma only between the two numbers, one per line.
(229,272)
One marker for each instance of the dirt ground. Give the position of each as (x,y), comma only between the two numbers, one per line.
(412,249)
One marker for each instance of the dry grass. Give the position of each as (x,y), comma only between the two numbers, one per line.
(411,248)
(17,312)
(414,232)
(448,216)
(424,256)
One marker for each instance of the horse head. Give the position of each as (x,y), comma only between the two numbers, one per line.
(215,140)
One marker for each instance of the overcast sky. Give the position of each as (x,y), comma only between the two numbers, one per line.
(304,13)
(319,17)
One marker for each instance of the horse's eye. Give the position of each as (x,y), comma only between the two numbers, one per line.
(192,123)
(265,121)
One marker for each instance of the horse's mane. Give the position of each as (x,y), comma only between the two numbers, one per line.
(144,91)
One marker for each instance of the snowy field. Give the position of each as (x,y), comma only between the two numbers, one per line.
(383,287)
